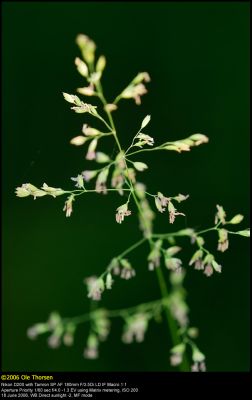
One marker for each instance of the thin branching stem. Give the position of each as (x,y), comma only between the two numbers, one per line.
(123,312)
(172,303)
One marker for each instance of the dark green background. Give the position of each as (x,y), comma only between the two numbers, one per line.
(198,57)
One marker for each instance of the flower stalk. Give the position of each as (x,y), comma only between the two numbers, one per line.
(120,175)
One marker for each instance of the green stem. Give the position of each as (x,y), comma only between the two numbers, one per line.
(119,312)
(204,249)
(126,152)
(120,256)
(93,190)
(103,120)
(165,235)
(117,99)
(234,233)
(149,194)
(215,228)
(131,248)
(143,150)
(100,92)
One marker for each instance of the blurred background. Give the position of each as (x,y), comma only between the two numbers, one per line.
(197,55)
